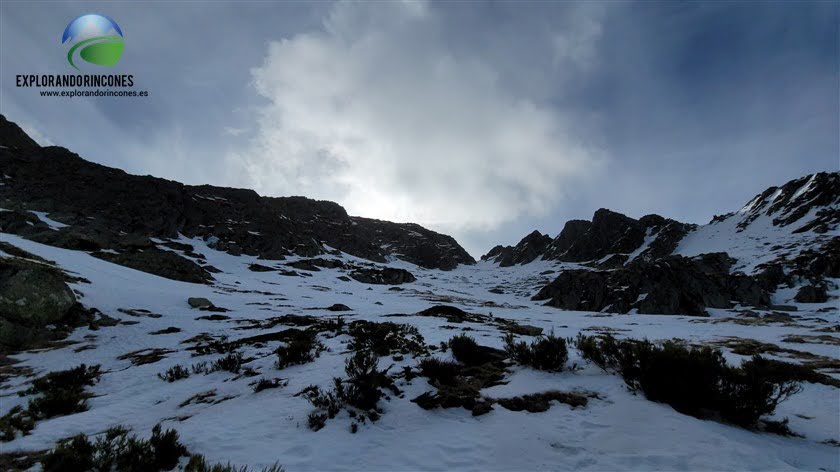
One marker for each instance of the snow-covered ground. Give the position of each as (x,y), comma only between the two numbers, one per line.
(617,431)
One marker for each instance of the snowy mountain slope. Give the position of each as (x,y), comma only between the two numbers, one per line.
(187,296)
(786,239)
(618,430)
(800,215)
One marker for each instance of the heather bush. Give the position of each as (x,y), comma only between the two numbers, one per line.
(175,373)
(116,450)
(545,353)
(697,380)
(300,350)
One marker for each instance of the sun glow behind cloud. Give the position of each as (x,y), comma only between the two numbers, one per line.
(376,111)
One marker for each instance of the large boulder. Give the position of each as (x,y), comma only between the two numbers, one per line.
(31,294)
(33,298)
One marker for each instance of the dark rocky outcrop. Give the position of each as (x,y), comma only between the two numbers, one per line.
(159,262)
(382,276)
(527,250)
(36,304)
(102,205)
(788,204)
(32,294)
(671,285)
(609,235)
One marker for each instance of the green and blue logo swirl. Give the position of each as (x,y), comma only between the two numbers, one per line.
(97,39)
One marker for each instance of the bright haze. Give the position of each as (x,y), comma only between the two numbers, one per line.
(480,120)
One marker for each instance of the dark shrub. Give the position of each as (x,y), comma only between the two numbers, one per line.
(231,363)
(17,419)
(386,338)
(58,393)
(177,372)
(466,350)
(58,403)
(549,353)
(116,451)
(539,402)
(520,352)
(75,378)
(300,350)
(330,402)
(545,353)
(697,380)
(756,389)
(317,420)
(73,455)
(62,393)
(442,372)
(364,379)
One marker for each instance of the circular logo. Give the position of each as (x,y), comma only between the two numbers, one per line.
(97,39)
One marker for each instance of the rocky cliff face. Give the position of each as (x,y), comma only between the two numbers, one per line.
(97,208)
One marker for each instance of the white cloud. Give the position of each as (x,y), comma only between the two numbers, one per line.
(376,112)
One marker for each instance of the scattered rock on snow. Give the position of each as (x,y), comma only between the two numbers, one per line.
(339,307)
(199,302)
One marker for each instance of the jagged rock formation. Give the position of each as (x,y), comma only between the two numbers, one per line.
(608,234)
(792,202)
(107,209)
(528,249)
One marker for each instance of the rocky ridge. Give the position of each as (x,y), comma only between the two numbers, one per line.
(53,196)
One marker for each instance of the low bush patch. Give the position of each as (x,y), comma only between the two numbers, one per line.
(469,352)
(232,363)
(117,450)
(365,380)
(265,384)
(459,384)
(175,373)
(696,381)
(386,338)
(548,353)
(539,402)
(17,419)
(361,390)
(58,393)
(299,350)
(439,371)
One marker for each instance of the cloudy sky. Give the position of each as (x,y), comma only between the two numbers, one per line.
(481,120)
